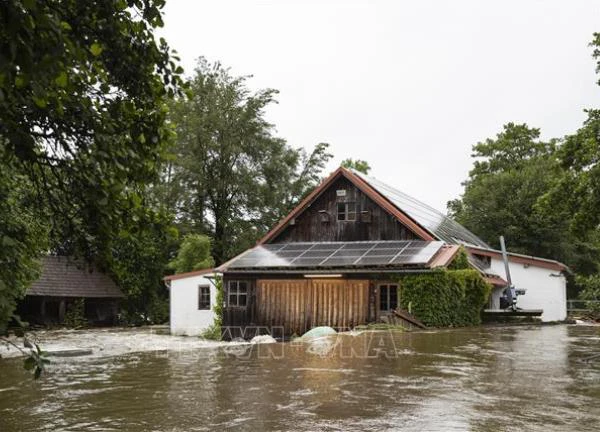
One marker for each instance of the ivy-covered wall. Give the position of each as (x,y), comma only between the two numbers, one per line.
(445,298)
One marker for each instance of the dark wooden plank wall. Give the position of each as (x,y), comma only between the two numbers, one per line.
(299,305)
(376,224)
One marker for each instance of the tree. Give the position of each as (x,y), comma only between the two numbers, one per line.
(230,177)
(194,254)
(83,90)
(358,164)
(513,171)
(591,293)
(22,238)
(137,262)
(574,202)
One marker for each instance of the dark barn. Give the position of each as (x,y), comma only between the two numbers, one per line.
(335,259)
(61,284)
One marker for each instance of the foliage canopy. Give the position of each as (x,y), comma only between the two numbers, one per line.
(83,91)
(193,254)
(231,177)
(357,164)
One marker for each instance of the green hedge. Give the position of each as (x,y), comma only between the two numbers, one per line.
(445,298)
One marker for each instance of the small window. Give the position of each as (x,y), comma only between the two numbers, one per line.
(388,297)
(238,293)
(203,297)
(346,211)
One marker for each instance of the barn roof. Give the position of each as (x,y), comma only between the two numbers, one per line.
(343,256)
(425,221)
(62,277)
(441,226)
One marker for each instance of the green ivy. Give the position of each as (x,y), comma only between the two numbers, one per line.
(213,332)
(218,309)
(445,298)
(460,261)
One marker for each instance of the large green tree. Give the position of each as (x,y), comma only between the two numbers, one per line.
(511,172)
(574,202)
(83,91)
(194,254)
(231,177)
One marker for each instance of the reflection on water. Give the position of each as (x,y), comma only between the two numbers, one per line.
(485,379)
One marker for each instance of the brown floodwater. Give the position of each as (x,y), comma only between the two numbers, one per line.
(539,378)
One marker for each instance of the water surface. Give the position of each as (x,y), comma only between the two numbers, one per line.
(483,379)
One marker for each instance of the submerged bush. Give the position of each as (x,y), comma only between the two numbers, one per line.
(445,298)
(212,332)
(75,315)
(591,293)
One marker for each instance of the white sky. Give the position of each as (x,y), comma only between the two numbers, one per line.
(407,86)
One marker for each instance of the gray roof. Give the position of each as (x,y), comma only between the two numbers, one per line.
(62,277)
(438,224)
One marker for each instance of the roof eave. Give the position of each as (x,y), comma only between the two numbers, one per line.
(188,274)
(523,259)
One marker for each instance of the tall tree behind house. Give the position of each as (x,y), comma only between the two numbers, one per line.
(231,177)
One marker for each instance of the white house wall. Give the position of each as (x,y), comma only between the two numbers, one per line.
(546,289)
(186,319)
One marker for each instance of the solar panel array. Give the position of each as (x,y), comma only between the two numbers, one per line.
(443,227)
(337,254)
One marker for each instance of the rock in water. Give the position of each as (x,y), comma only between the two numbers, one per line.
(262,339)
(318,332)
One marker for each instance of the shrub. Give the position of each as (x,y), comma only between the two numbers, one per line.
(591,293)
(158,311)
(445,298)
(75,315)
(212,332)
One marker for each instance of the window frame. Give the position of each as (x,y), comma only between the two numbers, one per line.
(203,296)
(388,296)
(234,291)
(349,209)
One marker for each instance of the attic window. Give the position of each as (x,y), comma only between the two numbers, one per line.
(346,211)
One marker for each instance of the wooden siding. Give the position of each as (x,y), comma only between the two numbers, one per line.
(299,305)
(372,222)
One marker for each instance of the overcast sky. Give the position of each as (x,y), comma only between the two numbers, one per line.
(407,86)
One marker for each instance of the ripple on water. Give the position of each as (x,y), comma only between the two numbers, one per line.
(485,379)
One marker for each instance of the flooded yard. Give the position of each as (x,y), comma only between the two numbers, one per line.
(484,379)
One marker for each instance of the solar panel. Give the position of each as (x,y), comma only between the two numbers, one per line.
(442,226)
(359,245)
(337,254)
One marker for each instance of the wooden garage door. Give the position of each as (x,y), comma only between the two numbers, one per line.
(300,304)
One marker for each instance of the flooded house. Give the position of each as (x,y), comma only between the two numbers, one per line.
(335,260)
(62,283)
(192,299)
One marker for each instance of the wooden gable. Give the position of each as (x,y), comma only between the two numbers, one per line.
(319,221)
